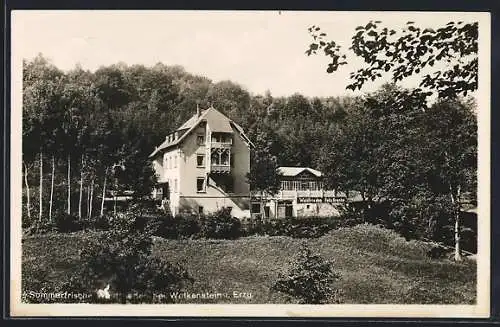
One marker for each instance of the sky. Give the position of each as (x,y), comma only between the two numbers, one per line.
(259,50)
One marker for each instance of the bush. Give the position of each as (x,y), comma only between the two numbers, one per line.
(67,223)
(176,227)
(309,279)
(123,261)
(220,225)
(123,222)
(310,227)
(41,227)
(101,222)
(352,215)
(437,252)
(187,226)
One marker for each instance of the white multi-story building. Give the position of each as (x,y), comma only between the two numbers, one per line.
(202,166)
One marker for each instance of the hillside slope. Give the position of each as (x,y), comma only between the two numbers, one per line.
(377,266)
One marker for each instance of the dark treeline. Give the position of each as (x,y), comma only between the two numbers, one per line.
(78,126)
(81,128)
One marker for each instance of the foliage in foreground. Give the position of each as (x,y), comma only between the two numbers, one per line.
(123,260)
(309,279)
(377,266)
(411,222)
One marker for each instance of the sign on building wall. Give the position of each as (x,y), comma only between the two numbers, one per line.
(320,200)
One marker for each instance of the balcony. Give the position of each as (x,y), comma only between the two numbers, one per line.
(221,145)
(220,169)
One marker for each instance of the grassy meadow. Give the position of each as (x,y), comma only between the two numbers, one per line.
(377,266)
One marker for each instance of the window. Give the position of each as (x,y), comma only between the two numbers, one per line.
(200,160)
(200,184)
(200,139)
(220,157)
(215,158)
(216,137)
(175,185)
(221,138)
(200,210)
(256,207)
(224,158)
(308,206)
(175,161)
(287,185)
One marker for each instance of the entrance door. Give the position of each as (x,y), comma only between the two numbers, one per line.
(266,211)
(166,191)
(288,210)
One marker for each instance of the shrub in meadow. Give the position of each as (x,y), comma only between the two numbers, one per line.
(309,279)
(187,225)
(101,222)
(351,215)
(41,227)
(68,223)
(122,259)
(220,225)
(305,227)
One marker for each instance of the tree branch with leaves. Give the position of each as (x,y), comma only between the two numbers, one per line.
(448,54)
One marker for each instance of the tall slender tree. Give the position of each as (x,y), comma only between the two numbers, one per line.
(451,128)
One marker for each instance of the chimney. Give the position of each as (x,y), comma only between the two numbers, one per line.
(198,111)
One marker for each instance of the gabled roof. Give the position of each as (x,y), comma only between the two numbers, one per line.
(216,121)
(189,123)
(294,171)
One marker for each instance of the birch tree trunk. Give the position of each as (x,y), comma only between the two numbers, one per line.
(456,209)
(69,184)
(91,197)
(104,191)
(88,201)
(40,209)
(81,192)
(52,188)
(263,218)
(458,255)
(27,191)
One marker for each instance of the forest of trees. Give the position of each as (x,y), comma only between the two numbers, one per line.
(81,128)
(85,133)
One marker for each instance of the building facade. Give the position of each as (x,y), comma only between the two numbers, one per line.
(301,194)
(202,166)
